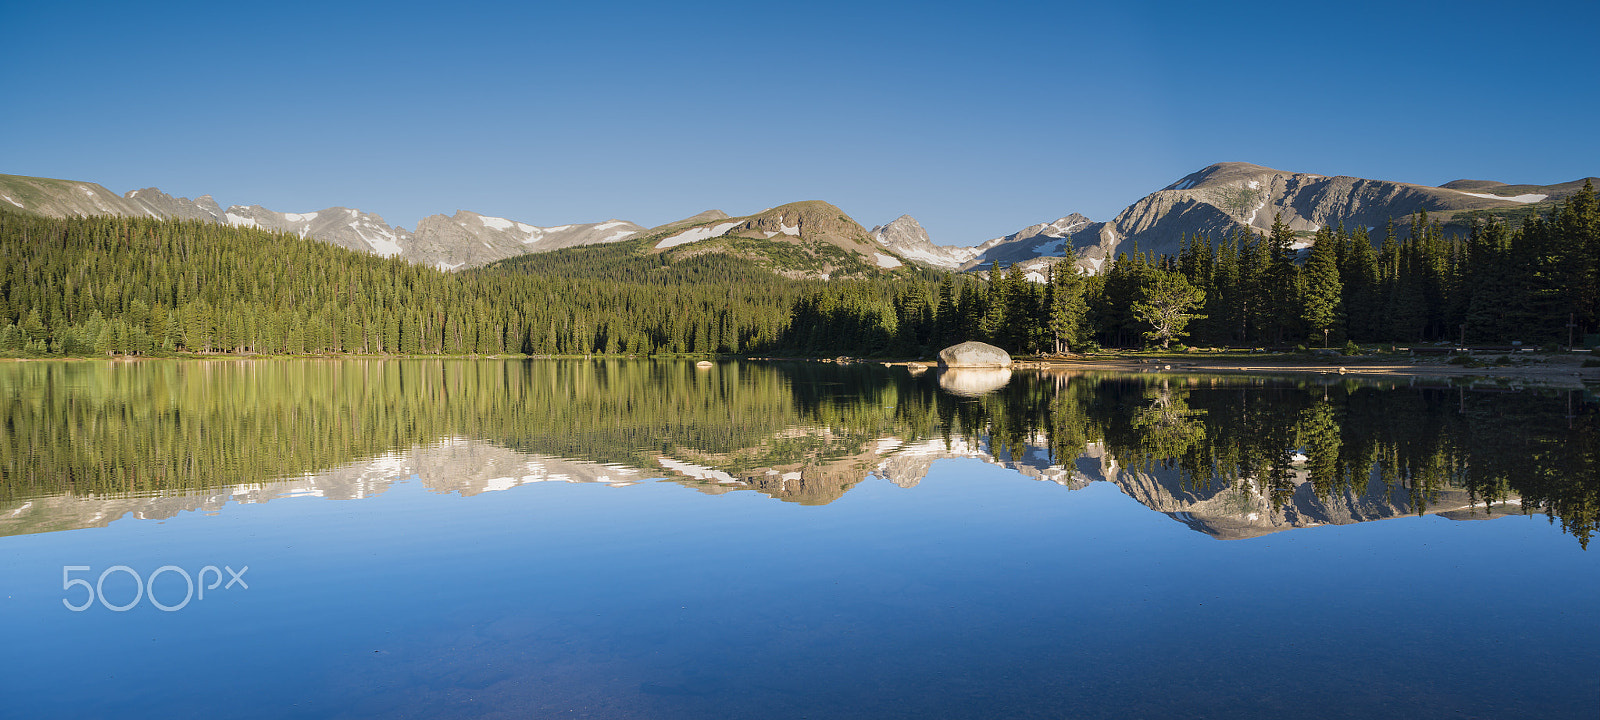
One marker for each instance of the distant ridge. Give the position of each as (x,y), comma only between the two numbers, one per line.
(1233,196)
(464,240)
(1217,200)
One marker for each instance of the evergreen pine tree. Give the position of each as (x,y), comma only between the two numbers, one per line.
(1068,308)
(1282,281)
(1322,300)
(1358,274)
(992,326)
(946,318)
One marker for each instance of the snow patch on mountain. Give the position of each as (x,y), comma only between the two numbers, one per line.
(930,258)
(385,243)
(494,222)
(1252,219)
(1052,239)
(1050,248)
(1524,199)
(696,234)
(885,261)
(906,237)
(13,202)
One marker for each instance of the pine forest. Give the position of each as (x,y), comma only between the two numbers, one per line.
(138,286)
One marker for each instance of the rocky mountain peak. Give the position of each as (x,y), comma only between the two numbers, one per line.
(1224,173)
(810,226)
(903,230)
(808,219)
(906,237)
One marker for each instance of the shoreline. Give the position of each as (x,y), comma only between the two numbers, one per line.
(1546,368)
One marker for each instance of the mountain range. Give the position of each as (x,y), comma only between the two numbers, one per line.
(816,239)
(466,239)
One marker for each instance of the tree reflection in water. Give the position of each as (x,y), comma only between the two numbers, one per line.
(1233,455)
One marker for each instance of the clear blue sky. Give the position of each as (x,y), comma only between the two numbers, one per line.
(975,119)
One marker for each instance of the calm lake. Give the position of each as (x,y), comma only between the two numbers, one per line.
(619,539)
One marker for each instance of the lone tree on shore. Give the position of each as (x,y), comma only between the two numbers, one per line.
(1166,307)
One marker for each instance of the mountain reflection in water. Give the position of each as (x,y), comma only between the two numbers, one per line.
(1230,456)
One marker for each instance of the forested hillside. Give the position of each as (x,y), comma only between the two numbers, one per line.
(1497,284)
(99,285)
(1537,282)
(118,285)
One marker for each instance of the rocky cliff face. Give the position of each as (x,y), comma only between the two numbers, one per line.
(1222,197)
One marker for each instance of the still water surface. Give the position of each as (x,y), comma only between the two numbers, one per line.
(645,539)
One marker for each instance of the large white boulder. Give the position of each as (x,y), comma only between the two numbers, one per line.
(973,354)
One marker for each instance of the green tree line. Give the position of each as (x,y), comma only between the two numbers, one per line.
(140,286)
(107,285)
